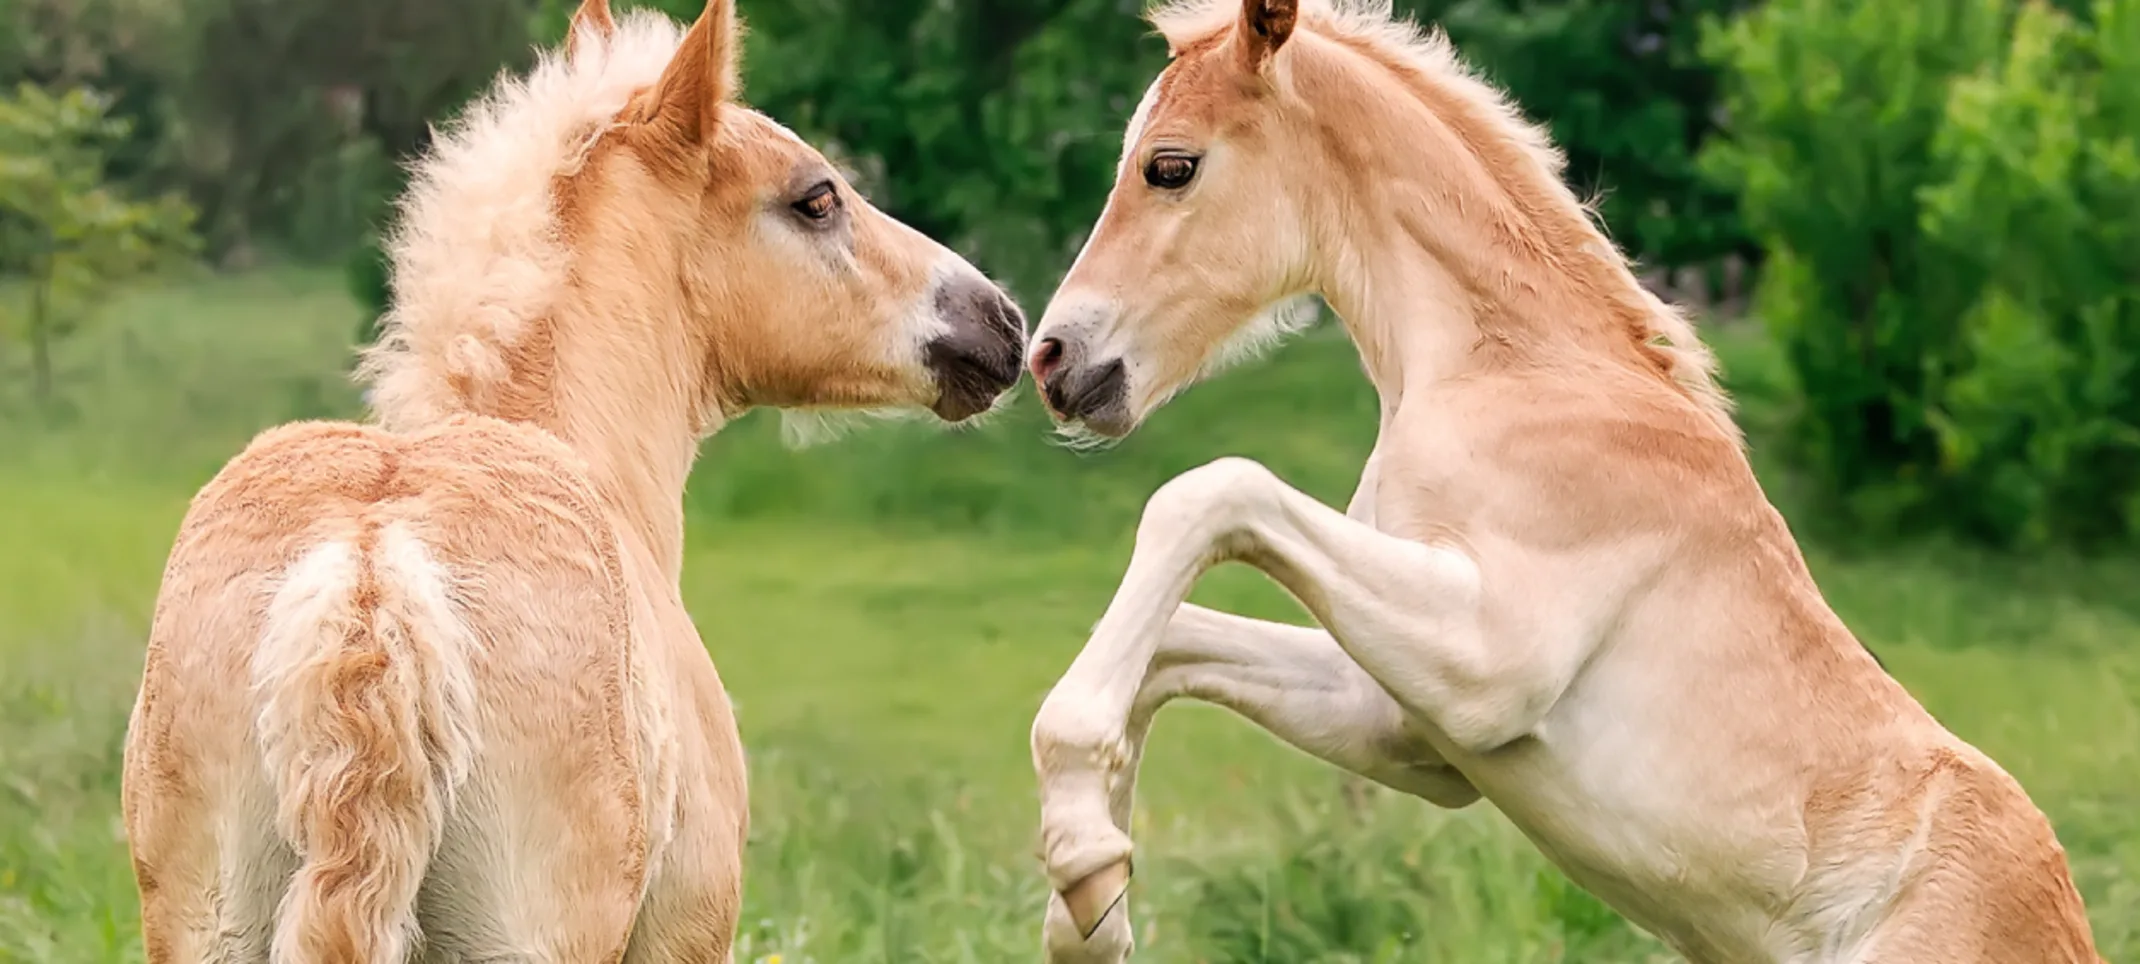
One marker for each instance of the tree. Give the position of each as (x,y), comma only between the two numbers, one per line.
(1629,98)
(997,124)
(123,49)
(64,229)
(289,106)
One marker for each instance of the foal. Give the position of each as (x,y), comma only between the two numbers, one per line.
(428,690)
(1558,585)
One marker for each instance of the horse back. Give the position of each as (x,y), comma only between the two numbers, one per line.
(531,573)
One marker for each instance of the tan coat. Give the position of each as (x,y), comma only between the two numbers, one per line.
(426,690)
(1558,587)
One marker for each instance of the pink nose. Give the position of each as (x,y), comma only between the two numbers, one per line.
(1046,359)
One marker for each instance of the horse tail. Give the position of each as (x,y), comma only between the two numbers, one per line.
(365,707)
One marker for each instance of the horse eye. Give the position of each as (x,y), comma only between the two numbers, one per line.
(819,203)
(1170,171)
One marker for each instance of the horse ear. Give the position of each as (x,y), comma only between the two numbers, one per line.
(701,79)
(592,26)
(1265,25)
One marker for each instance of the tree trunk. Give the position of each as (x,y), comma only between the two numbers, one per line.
(41,337)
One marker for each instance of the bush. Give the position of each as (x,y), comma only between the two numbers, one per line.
(1949,193)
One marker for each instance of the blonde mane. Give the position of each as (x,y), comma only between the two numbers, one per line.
(477,261)
(1428,60)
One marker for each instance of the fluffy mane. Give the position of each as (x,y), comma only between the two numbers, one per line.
(477,263)
(1428,59)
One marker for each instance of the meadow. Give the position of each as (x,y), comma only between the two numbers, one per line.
(888,610)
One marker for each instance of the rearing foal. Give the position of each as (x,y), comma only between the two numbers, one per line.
(1558,585)
(429,690)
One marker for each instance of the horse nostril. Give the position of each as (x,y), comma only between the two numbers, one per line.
(1047,359)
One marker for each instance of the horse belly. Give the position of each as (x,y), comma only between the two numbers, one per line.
(1697,854)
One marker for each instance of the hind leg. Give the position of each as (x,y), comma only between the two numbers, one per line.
(692,905)
(534,869)
(205,896)
(199,821)
(1988,898)
(210,879)
(688,918)
(173,867)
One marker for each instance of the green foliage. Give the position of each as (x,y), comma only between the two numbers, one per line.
(294,110)
(2040,210)
(996,124)
(67,232)
(1950,195)
(117,47)
(992,124)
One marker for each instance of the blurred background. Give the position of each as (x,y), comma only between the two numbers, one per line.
(1912,229)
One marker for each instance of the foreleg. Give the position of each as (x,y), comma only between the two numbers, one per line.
(1406,613)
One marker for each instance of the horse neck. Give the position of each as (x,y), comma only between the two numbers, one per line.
(1463,260)
(626,399)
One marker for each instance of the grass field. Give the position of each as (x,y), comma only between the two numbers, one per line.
(888,611)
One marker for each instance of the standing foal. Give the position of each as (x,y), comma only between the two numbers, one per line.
(429,690)
(1558,585)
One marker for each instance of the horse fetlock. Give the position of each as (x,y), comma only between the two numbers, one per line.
(1078,839)
(1088,864)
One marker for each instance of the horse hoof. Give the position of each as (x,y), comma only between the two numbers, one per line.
(1089,900)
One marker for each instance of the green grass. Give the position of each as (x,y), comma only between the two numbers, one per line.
(888,611)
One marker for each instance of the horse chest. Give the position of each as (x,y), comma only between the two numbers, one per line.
(1414,489)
